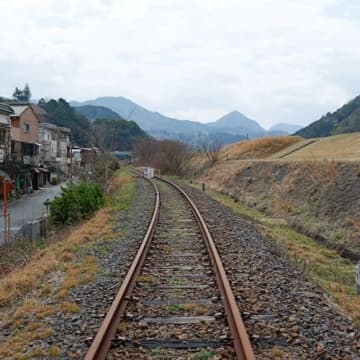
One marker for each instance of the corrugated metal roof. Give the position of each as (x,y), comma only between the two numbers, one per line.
(47,126)
(4,108)
(54,127)
(19,109)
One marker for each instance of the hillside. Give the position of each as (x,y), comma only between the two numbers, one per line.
(61,113)
(344,147)
(116,135)
(93,112)
(344,120)
(255,149)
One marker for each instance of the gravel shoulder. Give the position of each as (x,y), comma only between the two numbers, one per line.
(286,315)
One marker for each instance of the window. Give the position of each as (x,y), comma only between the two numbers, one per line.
(2,137)
(26,127)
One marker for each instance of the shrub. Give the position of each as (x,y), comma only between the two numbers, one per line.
(76,202)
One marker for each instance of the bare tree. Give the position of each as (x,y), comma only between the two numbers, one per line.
(209,146)
(167,155)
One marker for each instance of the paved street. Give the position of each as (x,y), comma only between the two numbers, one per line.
(29,207)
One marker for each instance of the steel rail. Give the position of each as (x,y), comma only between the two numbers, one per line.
(238,331)
(102,342)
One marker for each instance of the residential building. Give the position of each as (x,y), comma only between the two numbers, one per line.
(24,134)
(55,145)
(5,139)
(88,158)
(25,148)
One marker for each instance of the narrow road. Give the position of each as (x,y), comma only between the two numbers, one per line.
(30,207)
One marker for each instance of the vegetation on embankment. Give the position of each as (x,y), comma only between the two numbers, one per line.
(51,273)
(319,198)
(324,266)
(76,202)
(261,148)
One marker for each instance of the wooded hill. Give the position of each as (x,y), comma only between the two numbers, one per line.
(97,112)
(61,113)
(109,134)
(344,120)
(116,135)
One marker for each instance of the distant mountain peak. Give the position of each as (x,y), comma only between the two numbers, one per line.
(236,121)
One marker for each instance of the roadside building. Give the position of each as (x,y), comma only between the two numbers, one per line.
(5,139)
(5,147)
(75,161)
(25,146)
(55,147)
(88,158)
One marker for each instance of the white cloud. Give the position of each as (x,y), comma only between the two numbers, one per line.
(274,60)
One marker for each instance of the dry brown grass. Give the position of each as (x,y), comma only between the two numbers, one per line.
(343,147)
(261,148)
(19,338)
(77,274)
(51,273)
(196,309)
(28,278)
(146,279)
(67,307)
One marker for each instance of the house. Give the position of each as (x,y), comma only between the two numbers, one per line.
(24,134)
(25,146)
(88,158)
(5,139)
(55,145)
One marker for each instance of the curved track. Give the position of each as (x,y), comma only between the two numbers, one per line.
(177,268)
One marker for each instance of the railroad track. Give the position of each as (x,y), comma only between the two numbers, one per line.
(168,306)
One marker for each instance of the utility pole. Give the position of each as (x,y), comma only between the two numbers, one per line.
(5,209)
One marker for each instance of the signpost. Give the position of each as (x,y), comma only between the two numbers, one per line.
(357,277)
(5,188)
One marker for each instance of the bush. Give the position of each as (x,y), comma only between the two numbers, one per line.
(55,180)
(76,202)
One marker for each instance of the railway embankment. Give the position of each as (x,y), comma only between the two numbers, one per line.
(320,199)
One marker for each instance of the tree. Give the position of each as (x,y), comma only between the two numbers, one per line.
(168,156)
(210,147)
(22,95)
(17,94)
(27,93)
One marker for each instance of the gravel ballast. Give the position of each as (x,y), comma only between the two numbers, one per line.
(285,314)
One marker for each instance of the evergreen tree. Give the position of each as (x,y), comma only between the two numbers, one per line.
(26,93)
(17,94)
(22,95)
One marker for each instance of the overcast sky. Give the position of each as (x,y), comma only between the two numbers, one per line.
(273,60)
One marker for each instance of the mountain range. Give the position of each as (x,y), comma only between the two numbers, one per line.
(230,128)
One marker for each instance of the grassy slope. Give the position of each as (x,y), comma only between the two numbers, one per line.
(23,290)
(340,147)
(345,147)
(258,148)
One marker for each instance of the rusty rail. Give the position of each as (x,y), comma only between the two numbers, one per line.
(239,334)
(107,331)
(101,344)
